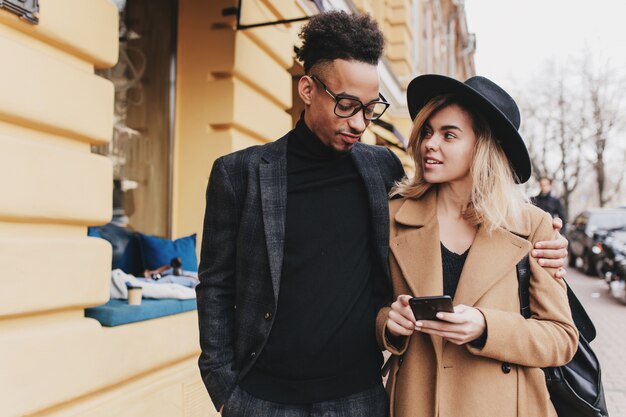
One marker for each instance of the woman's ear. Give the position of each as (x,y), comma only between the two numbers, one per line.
(305,89)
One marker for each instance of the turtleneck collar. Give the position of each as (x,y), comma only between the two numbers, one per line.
(305,143)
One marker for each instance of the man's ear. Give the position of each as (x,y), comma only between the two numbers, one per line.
(305,89)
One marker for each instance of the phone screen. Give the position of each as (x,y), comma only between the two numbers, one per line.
(426,308)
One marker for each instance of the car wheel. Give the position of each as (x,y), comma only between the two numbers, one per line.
(589,265)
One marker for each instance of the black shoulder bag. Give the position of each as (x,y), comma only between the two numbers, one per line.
(575,388)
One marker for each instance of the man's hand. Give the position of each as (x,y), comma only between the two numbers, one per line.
(465,325)
(552,253)
(222,409)
(400,320)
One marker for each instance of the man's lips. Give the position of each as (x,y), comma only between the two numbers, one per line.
(350,138)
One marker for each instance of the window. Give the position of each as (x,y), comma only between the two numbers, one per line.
(141,147)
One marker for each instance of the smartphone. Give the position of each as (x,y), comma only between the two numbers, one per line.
(426,308)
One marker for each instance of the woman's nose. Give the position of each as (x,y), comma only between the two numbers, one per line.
(432,143)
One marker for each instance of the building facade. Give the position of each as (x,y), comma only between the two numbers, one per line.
(146,94)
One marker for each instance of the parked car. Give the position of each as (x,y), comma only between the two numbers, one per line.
(588,230)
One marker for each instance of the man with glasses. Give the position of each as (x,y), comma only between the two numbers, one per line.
(294,255)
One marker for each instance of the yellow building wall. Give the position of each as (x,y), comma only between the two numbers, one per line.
(53,360)
(395,20)
(233,91)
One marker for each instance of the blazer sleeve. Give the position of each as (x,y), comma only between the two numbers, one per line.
(396,168)
(216,290)
(549,337)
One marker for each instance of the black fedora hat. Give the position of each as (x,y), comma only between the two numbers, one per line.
(486,99)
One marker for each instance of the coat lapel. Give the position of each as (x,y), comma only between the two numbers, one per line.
(488,261)
(418,252)
(273,190)
(417,249)
(377,195)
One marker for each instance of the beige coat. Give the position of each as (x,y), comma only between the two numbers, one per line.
(432,378)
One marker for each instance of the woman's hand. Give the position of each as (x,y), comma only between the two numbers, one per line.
(465,325)
(400,321)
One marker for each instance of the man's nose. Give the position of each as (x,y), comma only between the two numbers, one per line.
(358,123)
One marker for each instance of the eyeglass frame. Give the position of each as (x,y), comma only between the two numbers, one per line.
(337,97)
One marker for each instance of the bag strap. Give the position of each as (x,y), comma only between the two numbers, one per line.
(523,279)
(579,315)
(581,318)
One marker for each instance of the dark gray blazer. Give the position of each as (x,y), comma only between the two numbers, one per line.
(242,252)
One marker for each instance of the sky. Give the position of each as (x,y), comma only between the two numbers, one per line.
(515,38)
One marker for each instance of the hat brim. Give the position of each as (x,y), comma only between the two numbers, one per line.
(426,87)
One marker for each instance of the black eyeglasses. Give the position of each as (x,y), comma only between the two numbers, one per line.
(346,106)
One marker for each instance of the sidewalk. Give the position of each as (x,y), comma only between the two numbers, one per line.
(609,317)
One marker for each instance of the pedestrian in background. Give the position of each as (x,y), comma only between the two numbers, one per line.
(548,203)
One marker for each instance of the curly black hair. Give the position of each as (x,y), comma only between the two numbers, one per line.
(340,35)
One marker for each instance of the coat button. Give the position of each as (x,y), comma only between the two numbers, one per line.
(506,368)
(252,355)
(268,316)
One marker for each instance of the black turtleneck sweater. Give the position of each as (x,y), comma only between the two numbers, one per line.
(322,345)
(452,264)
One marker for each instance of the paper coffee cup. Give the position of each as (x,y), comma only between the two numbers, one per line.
(134,296)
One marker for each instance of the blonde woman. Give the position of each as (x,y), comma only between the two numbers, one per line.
(460,227)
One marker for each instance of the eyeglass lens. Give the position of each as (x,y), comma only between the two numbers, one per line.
(347,107)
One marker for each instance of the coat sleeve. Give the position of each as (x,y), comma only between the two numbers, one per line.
(216,291)
(395,345)
(549,337)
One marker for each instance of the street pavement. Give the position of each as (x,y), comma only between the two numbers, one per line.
(608,315)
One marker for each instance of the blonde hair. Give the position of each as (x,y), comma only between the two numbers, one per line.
(496,200)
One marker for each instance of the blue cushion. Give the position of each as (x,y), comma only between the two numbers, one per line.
(93,232)
(118,312)
(126,250)
(157,252)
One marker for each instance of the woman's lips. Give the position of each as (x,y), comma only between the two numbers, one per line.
(431,162)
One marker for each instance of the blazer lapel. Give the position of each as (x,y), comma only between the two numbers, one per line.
(273,190)
(488,261)
(378,200)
